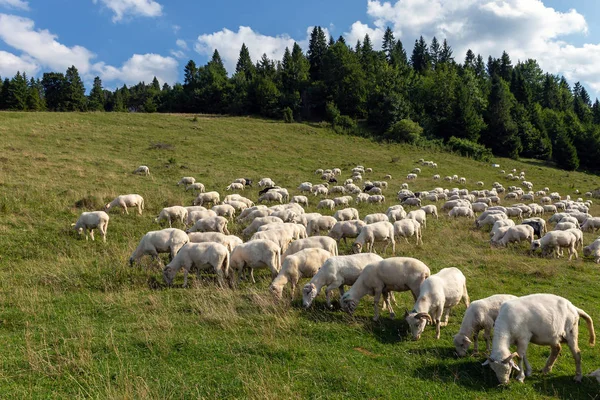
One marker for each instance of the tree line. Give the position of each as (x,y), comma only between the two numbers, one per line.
(473,106)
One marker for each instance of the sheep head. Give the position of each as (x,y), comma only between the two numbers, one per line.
(309,292)
(416,322)
(276,291)
(462,344)
(503,368)
(168,275)
(356,248)
(348,304)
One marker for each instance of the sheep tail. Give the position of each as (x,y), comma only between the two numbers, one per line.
(590,325)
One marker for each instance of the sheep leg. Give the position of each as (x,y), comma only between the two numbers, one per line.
(185,276)
(476,341)
(445,317)
(406,239)
(387,299)
(252,275)
(465,297)
(376,297)
(437,328)
(91,234)
(523,363)
(219,272)
(555,351)
(572,342)
(125,208)
(328,291)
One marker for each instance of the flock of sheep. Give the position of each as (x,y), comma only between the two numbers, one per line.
(293,244)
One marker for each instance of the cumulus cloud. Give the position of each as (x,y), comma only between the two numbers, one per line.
(133,8)
(10,64)
(18,4)
(181,44)
(524,28)
(140,67)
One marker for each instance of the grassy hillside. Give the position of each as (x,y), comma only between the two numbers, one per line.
(77,322)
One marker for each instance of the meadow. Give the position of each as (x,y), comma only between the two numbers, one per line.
(77,322)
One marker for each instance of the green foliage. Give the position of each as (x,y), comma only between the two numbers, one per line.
(18,93)
(331,112)
(96,99)
(345,124)
(471,149)
(288,115)
(74,92)
(565,153)
(404,131)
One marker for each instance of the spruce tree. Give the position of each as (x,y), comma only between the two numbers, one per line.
(502,133)
(434,51)
(54,83)
(420,58)
(469,60)
(35,100)
(389,43)
(596,112)
(505,67)
(317,46)
(74,91)
(4,94)
(445,55)
(18,93)
(96,99)
(190,76)
(399,58)
(244,63)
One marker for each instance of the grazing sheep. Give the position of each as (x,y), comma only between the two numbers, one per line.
(578,236)
(303,264)
(300,200)
(593,250)
(305,187)
(271,196)
(142,170)
(168,240)
(377,217)
(538,225)
(377,232)
(461,212)
(194,216)
(208,197)
(543,319)
(490,218)
(235,186)
(296,231)
(591,224)
(392,274)
(326,203)
(553,241)
(260,253)
(266,182)
(172,214)
(412,201)
(396,213)
(186,180)
(498,234)
(229,241)
(408,227)
(202,256)
(316,242)
(90,221)
(377,198)
(517,234)
(287,215)
(431,210)
(479,207)
(346,214)
(238,206)
(224,210)
(196,187)
(418,215)
(210,224)
(481,314)
(127,200)
(335,273)
(346,229)
(563,226)
(281,237)
(411,177)
(437,295)
(324,223)
(257,223)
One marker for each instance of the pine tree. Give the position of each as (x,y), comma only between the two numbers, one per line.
(470,60)
(244,63)
(399,58)
(317,46)
(4,90)
(445,55)
(550,93)
(480,67)
(505,67)
(18,92)
(35,100)
(266,67)
(155,85)
(190,76)
(389,43)
(74,91)
(96,99)
(54,83)
(434,51)
(596,112)
(502,133)
(565,153)
(420,58)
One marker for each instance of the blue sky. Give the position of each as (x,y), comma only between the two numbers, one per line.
(127,41)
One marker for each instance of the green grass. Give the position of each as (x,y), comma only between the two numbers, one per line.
(77,322)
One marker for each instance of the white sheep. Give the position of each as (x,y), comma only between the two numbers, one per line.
(543,319)
(88,221)
(196,187)
(238,206)
(229,241)
(377,217)
(517,234)
(305,187)
(260,253)
(591,224)
(300,200)
(553,241)
(377,232)
(418,215)
(127,200)
(408,227)
(563,226)
(194,216)
(186,180)
(430,209)
(224,210)
(376,198)
(346,229)
(202,256)
(281,237)
(287,215)
(323,223)
(335,273)
(396,213)
(412,201)
(316,242)
(208,197)
(210,224)
(168,240)
(303,264)
(271,196)
(392,274)
(266,182)
(346,214)
(461,212)
(235,186)
(172,214)
(327,204)
(480,315)
(438,294)
(411,177)
(593,250)
(142,170)
(296,231)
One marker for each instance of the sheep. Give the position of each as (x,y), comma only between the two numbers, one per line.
(259,253)
(287,215)
(316,242)
(229,241)
(243,181)
(90,221)
(235,186)
(127,200)
(210,224)
(501,224)
(396,214)
(412,201)
(479,206)
(142,170)
(481,314)
(224,210)
(194,208)
(377,217)
(200,255)
(326,203)
(186,180)
(335,273)
(591,224)
(377,198)
(393,274)
(281,237)
(416,170)
(514,212)
(208,197)
(266,182)
(194,216)
(543,319)
(257,213)
(461,212)
(377,232)
(553,241)
(300,200)
(578,236)
(408,227)
(411,177)
(498,234)
(305,187)
(271,196)
(324,223)
(303,264)
(196,186)
(238,206)
(319,171)
(229,199)
(296,231)
(172,214)
(593,250)
(418,215)
(258,222)
(437,295)
(490,219)
(346,214)
(563,226)
(479,183)
(462,180)
(346,229)
(517,233)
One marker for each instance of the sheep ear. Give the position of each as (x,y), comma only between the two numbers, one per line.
(73,224)
(467,340)
(509,358)
(486,362)
(514,365)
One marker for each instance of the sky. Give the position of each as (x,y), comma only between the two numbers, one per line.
(128,41)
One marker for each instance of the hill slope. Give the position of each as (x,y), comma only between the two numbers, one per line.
(77,321)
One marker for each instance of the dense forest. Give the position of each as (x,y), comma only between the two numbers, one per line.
(471,105)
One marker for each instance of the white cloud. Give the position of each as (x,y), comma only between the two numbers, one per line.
(177,53)
(358,30)
(524,28)
(181,44)
(18,4)
(141,67)
(134,8)
(10,64)
(176,29)
(229,44)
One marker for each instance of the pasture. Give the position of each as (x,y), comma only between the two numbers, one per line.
(77,322)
